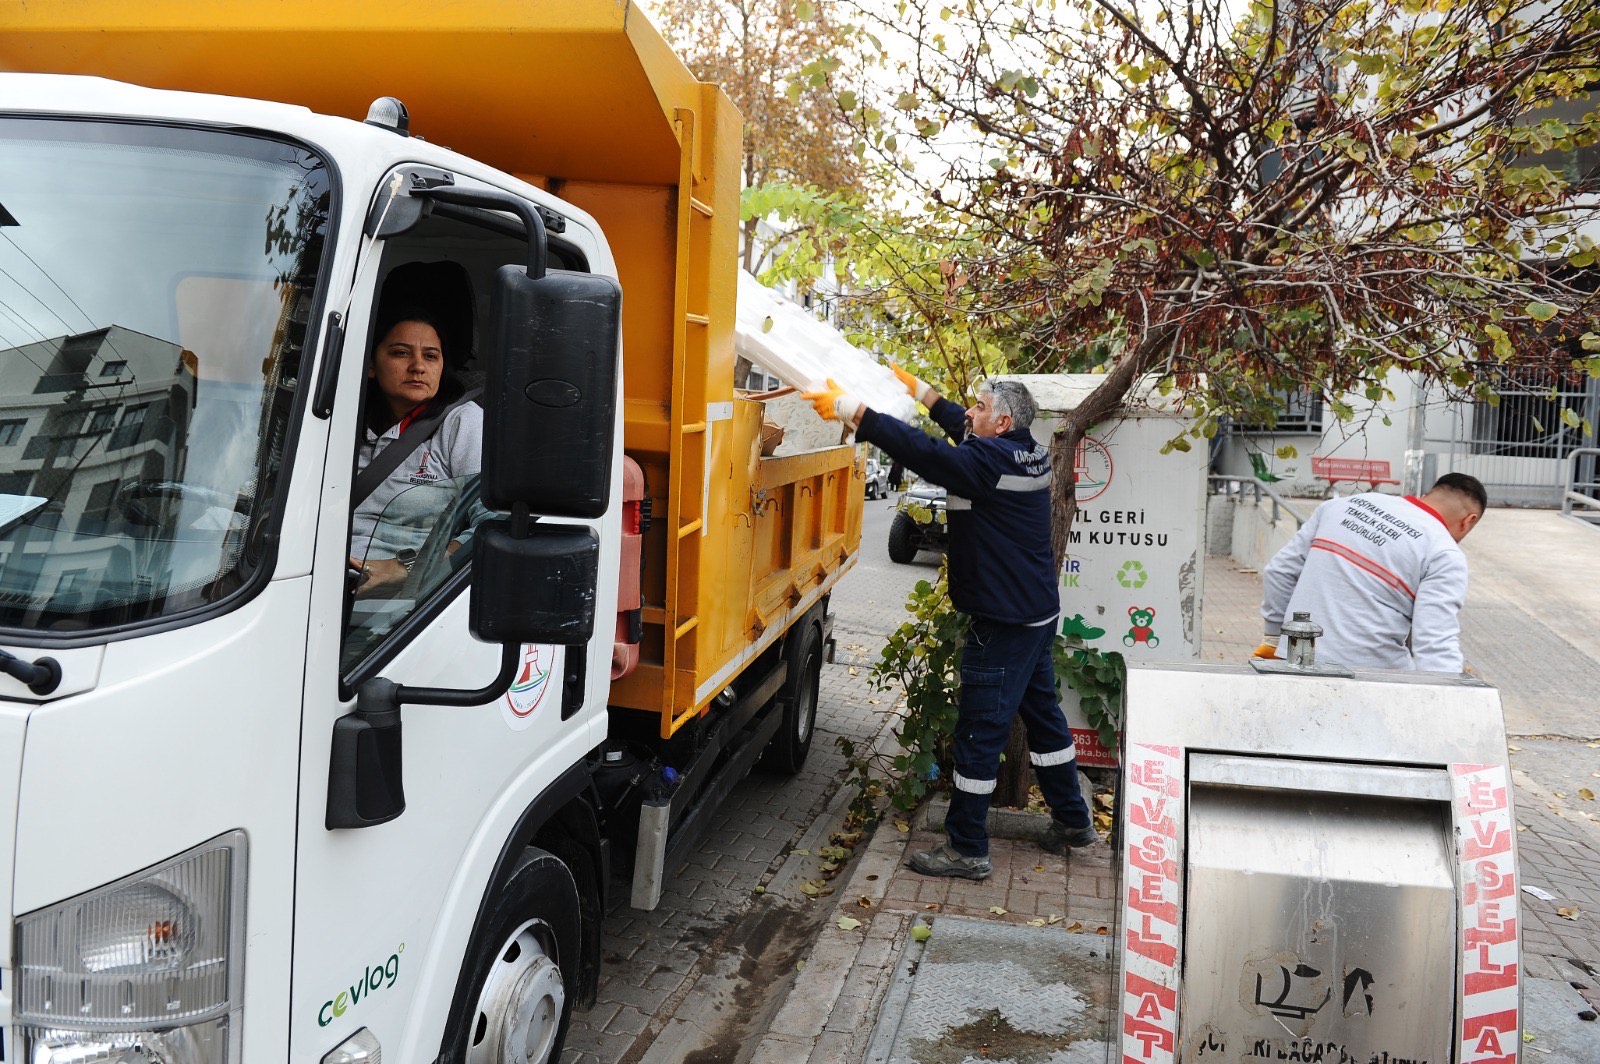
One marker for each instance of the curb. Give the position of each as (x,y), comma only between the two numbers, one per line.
(834,1000)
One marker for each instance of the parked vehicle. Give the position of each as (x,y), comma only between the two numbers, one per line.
(919,523)
(877,479)
(216,845)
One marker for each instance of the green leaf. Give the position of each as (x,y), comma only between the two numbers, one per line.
(1570,418)
(921,933)
(1542,311)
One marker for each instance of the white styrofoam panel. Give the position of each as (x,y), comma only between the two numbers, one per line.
(805,352)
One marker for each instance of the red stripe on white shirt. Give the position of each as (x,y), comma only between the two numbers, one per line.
(1361,561)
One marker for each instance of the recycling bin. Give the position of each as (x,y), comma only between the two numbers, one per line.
(1136,552)
(1316,867)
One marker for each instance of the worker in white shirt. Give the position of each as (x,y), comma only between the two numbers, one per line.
(1383,575)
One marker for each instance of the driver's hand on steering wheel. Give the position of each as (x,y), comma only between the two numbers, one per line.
(379,573)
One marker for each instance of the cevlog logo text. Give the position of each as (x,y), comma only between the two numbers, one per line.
(376,977)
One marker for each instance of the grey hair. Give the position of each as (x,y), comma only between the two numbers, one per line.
(1013,398)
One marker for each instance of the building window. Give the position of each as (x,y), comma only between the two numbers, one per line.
(102,420)
(97,511)
(1578,167)
(1526,422)
(114,369)
(128,429)
(1298,412)
(11,431)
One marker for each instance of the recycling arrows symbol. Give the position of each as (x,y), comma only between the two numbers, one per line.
(1132,574)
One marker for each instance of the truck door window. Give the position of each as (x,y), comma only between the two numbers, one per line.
(158,285)
(444,268)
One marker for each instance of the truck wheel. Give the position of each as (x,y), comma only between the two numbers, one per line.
(787,752)
(902,539)
(515,996)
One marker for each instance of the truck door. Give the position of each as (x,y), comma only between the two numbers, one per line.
(383,914)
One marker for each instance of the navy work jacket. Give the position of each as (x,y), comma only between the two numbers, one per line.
(998,507)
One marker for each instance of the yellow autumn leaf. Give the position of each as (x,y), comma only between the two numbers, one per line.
(847,923)
(1036,923)
(1569,912)
(997,910)
(1586,794)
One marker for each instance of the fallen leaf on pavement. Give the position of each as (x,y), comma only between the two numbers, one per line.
(932,906)
(1570,912)
(848,924)
(997,910)
(799,966)
(1076,925)
(1036,923)
(1586,794)
(1038,868)
(800,853)
(1514,749)
(1055,918)
(902,826)
(865,902)
(1102,930)
(921,933)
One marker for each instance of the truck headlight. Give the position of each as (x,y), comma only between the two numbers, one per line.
(147,970)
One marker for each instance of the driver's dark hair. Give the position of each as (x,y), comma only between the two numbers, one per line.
(451,387)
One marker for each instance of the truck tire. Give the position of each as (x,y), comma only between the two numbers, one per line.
(514,999)
(787,752)
(902,539)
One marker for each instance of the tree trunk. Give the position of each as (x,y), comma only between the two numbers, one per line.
(1011,788)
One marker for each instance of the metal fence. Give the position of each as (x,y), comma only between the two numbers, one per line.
(1521,447)
(1583,485)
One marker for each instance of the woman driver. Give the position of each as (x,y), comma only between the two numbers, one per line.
(409,378)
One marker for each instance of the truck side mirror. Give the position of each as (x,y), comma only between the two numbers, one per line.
(550,399)
(536,588)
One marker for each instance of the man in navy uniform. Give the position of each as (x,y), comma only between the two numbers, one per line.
(1001,574)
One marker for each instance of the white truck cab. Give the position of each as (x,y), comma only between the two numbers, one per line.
(178,470)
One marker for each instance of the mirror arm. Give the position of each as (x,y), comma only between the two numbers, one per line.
(510,661)
(538,242)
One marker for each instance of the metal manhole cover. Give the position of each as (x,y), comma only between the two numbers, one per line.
(993,993)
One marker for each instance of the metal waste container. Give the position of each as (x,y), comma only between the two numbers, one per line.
(1318,869)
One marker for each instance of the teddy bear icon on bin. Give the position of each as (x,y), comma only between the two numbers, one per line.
(1143,631)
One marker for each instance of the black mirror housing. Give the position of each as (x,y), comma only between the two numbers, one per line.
(537,589)
(550,398)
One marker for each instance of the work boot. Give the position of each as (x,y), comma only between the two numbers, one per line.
(945,861)
(1060,838)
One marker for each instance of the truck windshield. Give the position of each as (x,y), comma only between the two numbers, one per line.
(155,289)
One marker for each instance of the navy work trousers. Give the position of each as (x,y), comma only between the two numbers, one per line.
(1007,669)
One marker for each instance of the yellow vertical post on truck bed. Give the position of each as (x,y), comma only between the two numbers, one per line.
(584,99)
